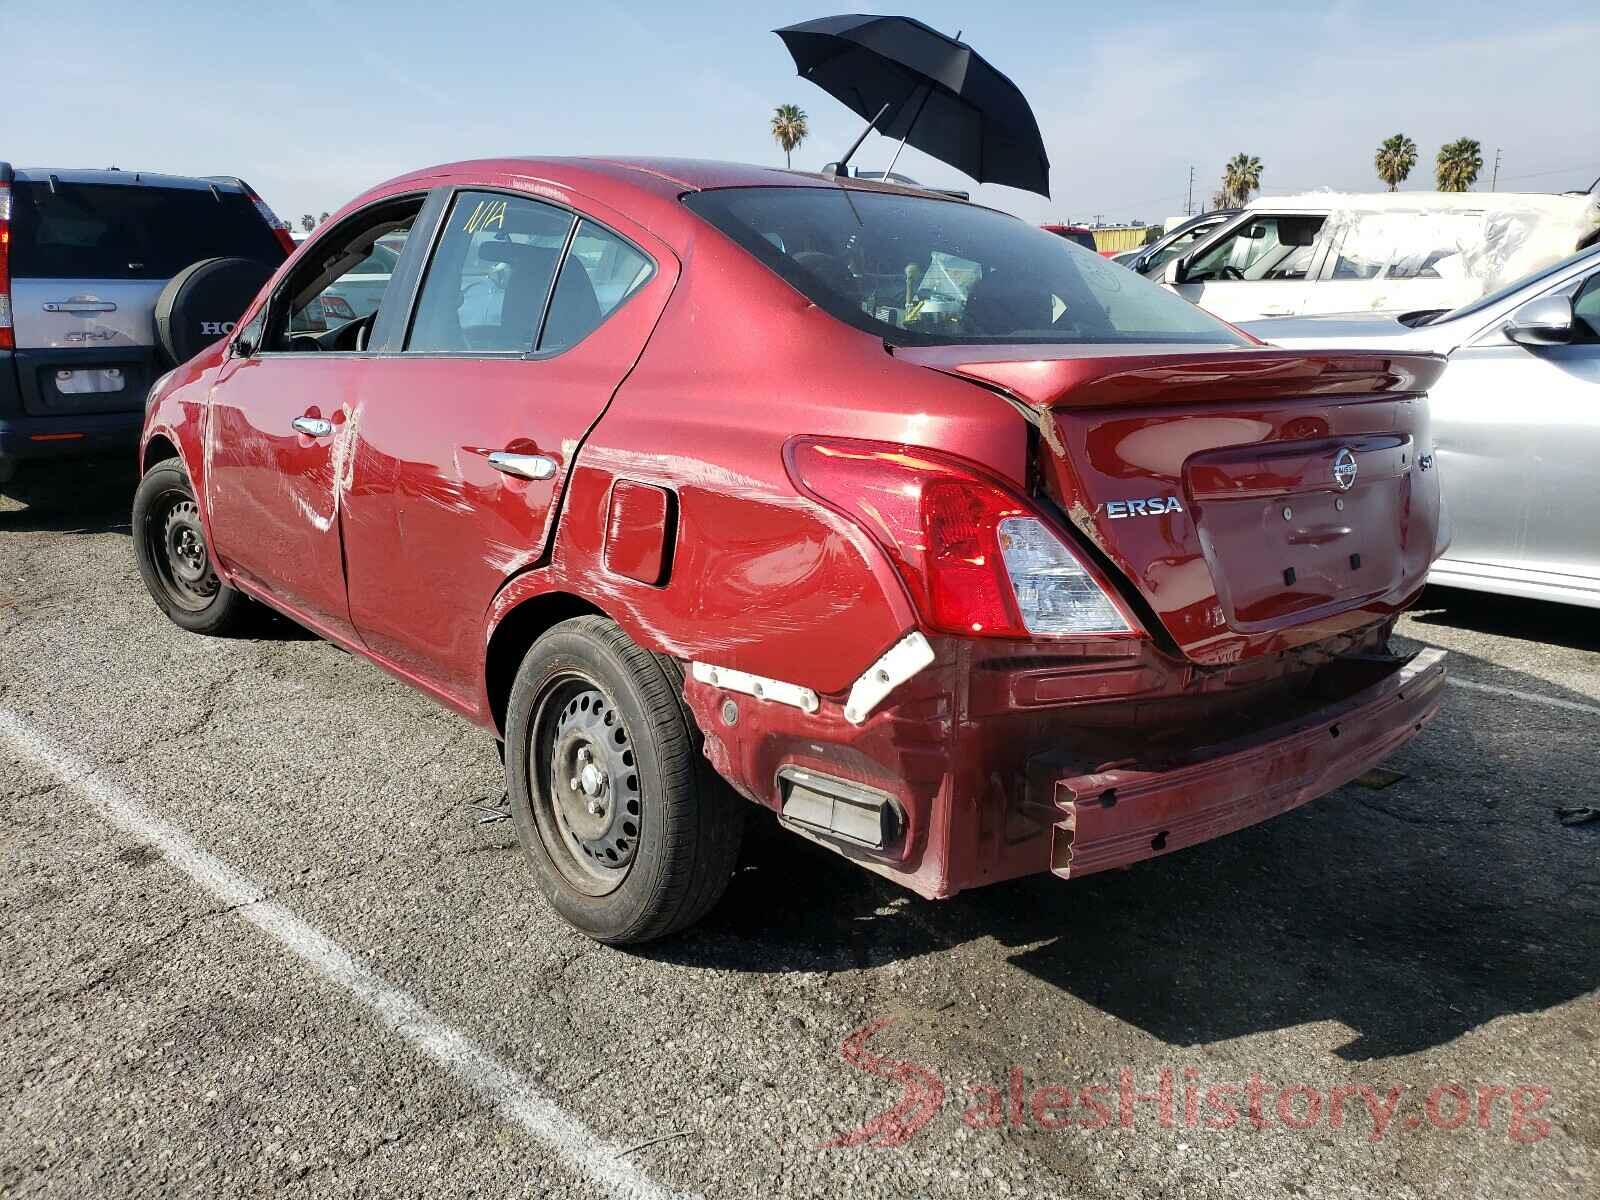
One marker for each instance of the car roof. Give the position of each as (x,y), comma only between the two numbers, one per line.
(680,174)
(1328,201)
(117,176)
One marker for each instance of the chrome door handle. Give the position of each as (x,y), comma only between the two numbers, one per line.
(525,466)
(313,426)
(79,306)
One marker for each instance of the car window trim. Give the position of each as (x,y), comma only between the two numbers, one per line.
(352,221)
(533,354)
(405,282)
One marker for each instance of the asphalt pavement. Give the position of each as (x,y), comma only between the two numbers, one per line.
(256,938)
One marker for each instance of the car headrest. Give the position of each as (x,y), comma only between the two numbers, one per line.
(1298,231)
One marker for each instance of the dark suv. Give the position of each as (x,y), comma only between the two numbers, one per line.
(107,279)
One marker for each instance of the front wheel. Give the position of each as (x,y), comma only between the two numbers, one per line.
(632,836)
(169,543)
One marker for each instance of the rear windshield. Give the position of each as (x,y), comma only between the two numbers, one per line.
(123,231)
(919,271)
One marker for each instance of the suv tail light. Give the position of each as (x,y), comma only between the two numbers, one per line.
(279,229)
(8,337)
(977,559)
(337,306)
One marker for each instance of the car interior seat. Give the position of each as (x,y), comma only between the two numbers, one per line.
(1000,304)
(574,309)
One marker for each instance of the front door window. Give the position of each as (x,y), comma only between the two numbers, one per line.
(1267,247)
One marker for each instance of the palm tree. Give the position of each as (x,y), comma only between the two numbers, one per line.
(1240,177)
(1394,160)
(1458,165)
(789,128)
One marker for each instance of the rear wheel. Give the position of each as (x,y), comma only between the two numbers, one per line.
(169,543)
(631,834)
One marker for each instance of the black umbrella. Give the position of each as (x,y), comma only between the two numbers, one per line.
(914,83)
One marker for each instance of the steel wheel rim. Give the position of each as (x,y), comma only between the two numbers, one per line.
(176,542)
(587,802)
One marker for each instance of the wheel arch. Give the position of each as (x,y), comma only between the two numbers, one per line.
(515,632)
(159,448)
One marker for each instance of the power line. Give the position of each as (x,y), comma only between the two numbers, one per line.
(1588,166)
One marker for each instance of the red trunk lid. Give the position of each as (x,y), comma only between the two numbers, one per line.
(1255,499)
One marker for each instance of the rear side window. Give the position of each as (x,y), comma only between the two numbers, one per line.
(601,271)
(917,271)
(490,277)
(124,231)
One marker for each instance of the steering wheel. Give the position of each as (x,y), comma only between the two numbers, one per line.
(1229,272)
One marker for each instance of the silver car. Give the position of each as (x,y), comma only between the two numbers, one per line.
(107,279)
(1516,425)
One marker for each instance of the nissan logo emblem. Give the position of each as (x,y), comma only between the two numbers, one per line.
(1344,469)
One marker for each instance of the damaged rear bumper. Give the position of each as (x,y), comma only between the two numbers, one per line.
(1111,818)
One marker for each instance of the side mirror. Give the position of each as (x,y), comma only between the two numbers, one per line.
(1546,321)
(1175,272)
(242,346)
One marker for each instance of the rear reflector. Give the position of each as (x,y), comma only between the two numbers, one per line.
(54,437)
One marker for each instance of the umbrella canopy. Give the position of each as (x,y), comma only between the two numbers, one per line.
(914,83)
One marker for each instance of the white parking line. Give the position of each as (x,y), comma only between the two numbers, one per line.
(1534,697)
(514,1096)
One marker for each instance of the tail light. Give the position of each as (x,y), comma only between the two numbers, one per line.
(977,559)
(8,337)
(337,307)
(279,229)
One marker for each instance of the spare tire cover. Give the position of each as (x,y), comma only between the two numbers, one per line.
(202,302)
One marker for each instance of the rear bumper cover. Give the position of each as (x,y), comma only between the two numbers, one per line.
(70,437)
(34,426)
(1116,817)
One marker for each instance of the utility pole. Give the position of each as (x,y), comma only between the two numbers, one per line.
(1496,177)
(1188,204)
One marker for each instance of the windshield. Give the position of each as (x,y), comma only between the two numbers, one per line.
(1516,285)
(917,271)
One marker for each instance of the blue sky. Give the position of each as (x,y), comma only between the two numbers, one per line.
(313,102)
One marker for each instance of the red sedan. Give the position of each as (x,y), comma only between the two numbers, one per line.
(963,551)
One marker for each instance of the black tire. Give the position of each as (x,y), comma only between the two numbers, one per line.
(169,545)
(201,303)
(586,687)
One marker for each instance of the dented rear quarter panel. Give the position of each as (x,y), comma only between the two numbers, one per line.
(760,579)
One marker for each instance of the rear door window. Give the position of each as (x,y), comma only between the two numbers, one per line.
(600,272)
(490,278)
(124,231)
